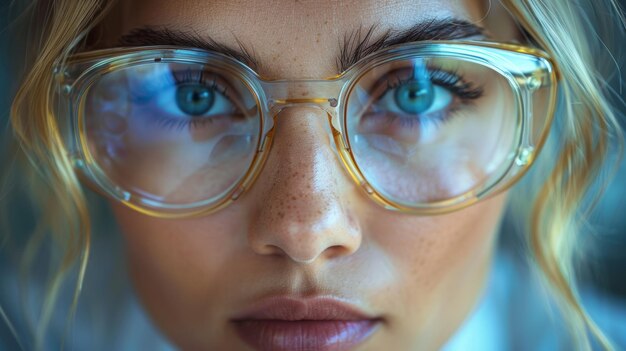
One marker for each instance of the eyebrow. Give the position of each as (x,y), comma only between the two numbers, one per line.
(353,47)
(359,44)
(151,36)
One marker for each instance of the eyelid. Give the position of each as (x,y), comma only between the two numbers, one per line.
(386,82)
(214,80)
(439,76)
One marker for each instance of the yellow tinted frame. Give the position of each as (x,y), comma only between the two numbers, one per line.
(532,75)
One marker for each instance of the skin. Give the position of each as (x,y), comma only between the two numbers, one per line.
(305,228)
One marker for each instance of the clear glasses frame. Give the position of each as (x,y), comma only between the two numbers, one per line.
(532,74)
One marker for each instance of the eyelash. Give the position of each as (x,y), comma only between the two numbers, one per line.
(198,76)
(173,80)
(453,81)
(177,78)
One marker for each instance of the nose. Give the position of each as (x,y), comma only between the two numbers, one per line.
(302,197)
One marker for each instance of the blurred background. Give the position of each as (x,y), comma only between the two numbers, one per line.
(607,260)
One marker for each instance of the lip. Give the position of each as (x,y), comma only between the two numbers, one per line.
(313,324)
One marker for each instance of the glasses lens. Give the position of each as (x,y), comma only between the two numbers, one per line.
(430,129)
(172,133)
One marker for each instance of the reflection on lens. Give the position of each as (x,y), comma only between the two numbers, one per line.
(175,133)
(426,130)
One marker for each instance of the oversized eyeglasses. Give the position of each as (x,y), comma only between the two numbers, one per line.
(422,128)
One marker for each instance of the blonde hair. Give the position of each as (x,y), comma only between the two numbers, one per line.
(587,125)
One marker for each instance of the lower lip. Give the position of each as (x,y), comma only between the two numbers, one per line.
(318,335)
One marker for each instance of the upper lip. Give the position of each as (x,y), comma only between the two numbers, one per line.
(296,309)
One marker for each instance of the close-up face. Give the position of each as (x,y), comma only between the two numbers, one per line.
(304,259)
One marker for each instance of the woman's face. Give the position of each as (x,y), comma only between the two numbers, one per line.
(304,260)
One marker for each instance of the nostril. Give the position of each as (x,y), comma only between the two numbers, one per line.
(268,250)
(336,251)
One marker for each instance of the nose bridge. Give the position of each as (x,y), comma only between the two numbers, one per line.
(323,94)
(301,191)
(303,146)
(327,107)
(304,94)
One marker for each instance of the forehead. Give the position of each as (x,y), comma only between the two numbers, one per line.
(289,38)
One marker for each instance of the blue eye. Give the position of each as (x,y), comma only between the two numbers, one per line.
(420,94)
(179,97)
(415,96)
(194,99)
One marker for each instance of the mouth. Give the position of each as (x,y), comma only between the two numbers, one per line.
(312,324)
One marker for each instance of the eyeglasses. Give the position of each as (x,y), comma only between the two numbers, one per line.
(422,128)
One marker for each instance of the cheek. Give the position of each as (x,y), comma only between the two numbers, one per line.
(428,248)
(178,267)
(441,262)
